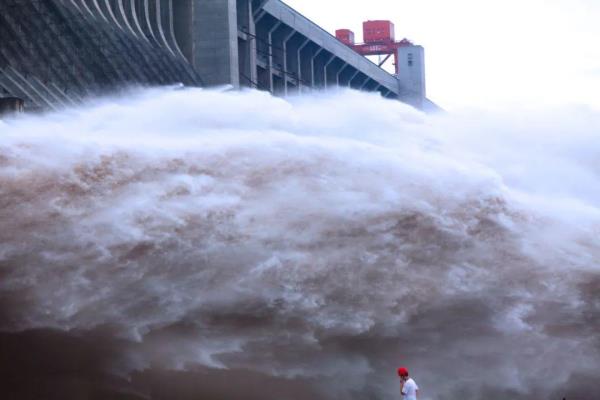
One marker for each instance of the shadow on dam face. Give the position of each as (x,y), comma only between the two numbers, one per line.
(11,105)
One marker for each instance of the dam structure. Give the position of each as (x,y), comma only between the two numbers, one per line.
(55,53)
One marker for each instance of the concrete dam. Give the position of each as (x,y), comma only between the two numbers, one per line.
(54,53)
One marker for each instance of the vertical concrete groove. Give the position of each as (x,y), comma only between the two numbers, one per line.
(74,3)
(10,52)
(177,67)
(110,47)
(66,39)
(108,70)
(159,26)
(149,59)
(97,10)
(133,57)
(63,49)
(108,6)
(120,10)
(25,52)
(161,62)
(91,42)
(84,6)
(162,67)
(147,24)
(52,49)
(42,57)
(135,19)
(171,29)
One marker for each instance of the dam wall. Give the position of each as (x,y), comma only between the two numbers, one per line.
(54,53)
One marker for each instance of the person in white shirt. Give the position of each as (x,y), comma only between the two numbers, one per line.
(408,387)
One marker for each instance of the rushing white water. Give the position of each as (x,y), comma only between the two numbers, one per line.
(323,240)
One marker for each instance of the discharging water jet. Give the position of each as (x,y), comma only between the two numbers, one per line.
(155,247)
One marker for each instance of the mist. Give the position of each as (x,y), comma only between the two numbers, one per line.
(179,244)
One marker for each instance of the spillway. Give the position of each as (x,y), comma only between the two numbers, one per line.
(153,246)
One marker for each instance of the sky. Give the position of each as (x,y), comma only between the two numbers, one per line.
(480,52)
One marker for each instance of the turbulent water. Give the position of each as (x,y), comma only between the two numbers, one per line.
(203,244)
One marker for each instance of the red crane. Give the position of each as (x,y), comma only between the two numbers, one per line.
(379,37)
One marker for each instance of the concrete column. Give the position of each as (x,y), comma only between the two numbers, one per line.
(215,41)
(292,60)
(263,23)
(334,69)
(352,78)
(247,44)
(301,74)
(271,50)
(286,39)
(312,66)
(361,82)
(337,76)
(325,77)
(279,37)
(364,84)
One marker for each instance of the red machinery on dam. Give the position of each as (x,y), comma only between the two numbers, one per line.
(379,39)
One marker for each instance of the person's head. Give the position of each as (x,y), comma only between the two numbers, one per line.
(403,373)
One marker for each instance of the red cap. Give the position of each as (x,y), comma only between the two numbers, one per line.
(402,371)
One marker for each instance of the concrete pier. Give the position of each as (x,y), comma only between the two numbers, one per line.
(215,41)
